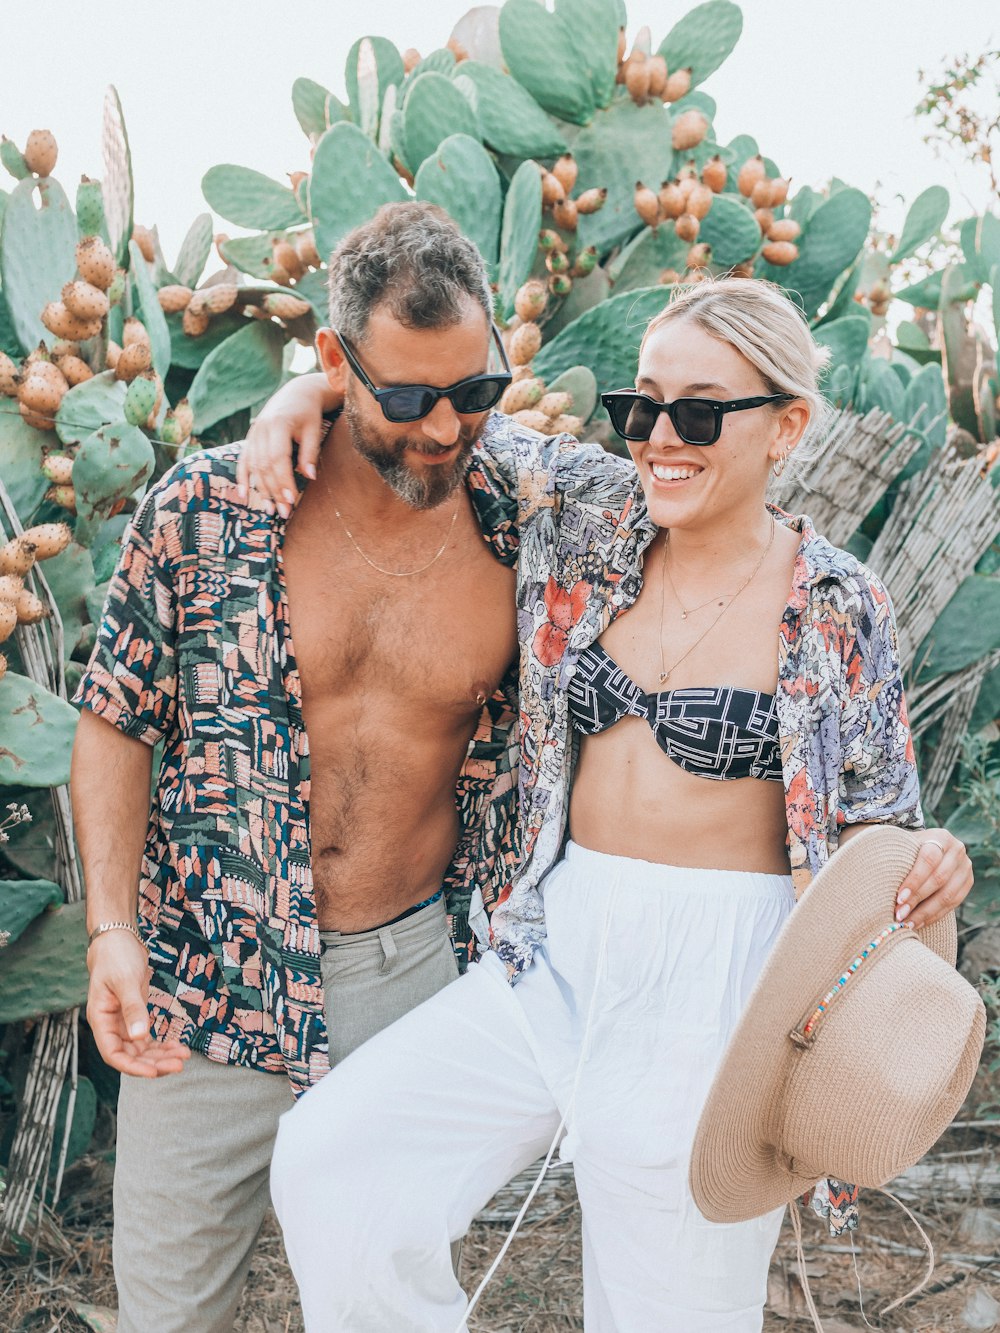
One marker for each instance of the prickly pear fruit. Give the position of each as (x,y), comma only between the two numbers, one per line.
(678,85)
(564,214)
(780,253)
(779,191)
(638,77)
(48,539)
(8,621)
(63,347)
(89,207)
(557,261)
(219,298)
(687,227)
(671,199)
(85,301)
(285,306)
(95,262)
(39,398)
(3,666)
(555,404)
(184,415)
(58,320)
(592,201)
(411,59)
(9,377)
(112,355)
(560,284)
(552,190)
(13,159)
(143,238)
(668,277)
(140,399)
(530,300)
(457,50)
(760,195)
(17,556)
(688,130)
(287,257)
(525,343)
(751,173)
(58,468)
(64,496)
(700,255)
(585,262)
(565,171)
(174,298)
(30,608)
(765,219)
(713,174)
(520,396)
(699,201)
(305,248)
(195,322)
(744,270)
(533,419)
(40,152)
(519,373)
(551,240)
(566,424)
(785,229)
(647,205)
(134,359)
(135,332)
(11,587)
(657,67)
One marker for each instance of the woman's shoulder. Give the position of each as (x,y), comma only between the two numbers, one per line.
(835,573)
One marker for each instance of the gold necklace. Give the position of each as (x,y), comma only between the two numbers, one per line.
(393,573)
(400,573)
(666,672)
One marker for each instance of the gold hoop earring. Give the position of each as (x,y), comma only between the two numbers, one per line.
(779,463)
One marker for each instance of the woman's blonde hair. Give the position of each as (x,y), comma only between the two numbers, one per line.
(767,329)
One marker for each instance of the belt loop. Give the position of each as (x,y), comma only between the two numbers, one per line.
(389,950)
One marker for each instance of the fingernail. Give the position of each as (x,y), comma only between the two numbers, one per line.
(138,1030)
(903,895)
(310,471)
(284,510)
(289,496)
(902,914)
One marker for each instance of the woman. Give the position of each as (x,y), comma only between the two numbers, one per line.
(711,777)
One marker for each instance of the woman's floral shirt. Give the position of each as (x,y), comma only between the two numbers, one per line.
(846,750)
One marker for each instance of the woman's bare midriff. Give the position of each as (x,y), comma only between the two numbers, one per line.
(630,799)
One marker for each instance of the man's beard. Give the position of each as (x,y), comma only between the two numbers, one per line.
(424,490)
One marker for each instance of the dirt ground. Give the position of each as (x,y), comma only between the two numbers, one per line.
(538,1289)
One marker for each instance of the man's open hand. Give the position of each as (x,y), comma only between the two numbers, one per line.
(117,1013)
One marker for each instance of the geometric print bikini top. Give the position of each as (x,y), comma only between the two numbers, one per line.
(714,732)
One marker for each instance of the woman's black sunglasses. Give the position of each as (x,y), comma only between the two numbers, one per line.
(696,420)
(410,402)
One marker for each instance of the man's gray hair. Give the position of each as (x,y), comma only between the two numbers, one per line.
(411,260)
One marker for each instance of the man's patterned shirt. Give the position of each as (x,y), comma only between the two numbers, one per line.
(194,651)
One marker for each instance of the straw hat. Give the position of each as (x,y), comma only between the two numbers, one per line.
(858,1044)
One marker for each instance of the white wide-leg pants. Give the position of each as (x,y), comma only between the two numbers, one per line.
(618,1025)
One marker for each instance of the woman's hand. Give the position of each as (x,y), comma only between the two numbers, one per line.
(939,881)
(294,414)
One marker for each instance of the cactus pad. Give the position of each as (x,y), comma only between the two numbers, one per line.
(38,730)
(37,254)
(350,181)
(522,220)
(249,198)
(510,120)
(434,110)
(240,372)
(703,39)
(461,178)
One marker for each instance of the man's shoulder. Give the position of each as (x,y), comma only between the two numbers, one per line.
(207,474)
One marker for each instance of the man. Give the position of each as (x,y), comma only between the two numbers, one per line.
(288,897)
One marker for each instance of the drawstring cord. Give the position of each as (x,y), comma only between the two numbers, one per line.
(900,1300)
(599,972)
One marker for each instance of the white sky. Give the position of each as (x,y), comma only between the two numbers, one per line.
(828,87)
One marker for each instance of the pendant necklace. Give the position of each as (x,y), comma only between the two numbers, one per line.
(397,573)
(665,671)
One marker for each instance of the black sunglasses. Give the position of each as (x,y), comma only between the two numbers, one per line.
(696,420)
(410,402)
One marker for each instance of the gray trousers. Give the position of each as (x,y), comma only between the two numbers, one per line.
(194,1149)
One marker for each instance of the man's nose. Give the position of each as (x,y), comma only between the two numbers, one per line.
(442,423)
